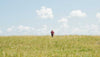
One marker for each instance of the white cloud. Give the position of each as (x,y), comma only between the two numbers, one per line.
(62,30)
(0,31)
(45,30)
(10,29)
(45,12)
(64,25)
(63,20)
(20,28)
(24,28)
(98,15)
(77,13)
(92,29)
(76,30)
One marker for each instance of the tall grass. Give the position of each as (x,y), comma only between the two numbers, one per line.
(45,46)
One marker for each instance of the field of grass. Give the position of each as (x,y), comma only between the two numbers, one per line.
(45,46)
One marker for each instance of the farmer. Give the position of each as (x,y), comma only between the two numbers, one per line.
(52,33)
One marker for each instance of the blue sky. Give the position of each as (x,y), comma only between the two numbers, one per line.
(39,17)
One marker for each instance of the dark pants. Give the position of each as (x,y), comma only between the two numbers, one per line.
(52,34)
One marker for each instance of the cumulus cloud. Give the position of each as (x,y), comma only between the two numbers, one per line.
(77,13)
(79,31)
(62,30)
(10,29)
(92,29)
(98,15)
(0,31)
(44,30)
(45,12)
(24,28)
(20,28)
(76,30)
(63,20)
(65,25)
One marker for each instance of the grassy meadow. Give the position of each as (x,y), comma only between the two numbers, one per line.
(45,46)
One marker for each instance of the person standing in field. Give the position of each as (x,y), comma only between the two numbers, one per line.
(52,33)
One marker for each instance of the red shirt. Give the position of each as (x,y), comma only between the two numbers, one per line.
(52,32)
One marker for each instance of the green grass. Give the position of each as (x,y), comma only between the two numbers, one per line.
(45,46)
